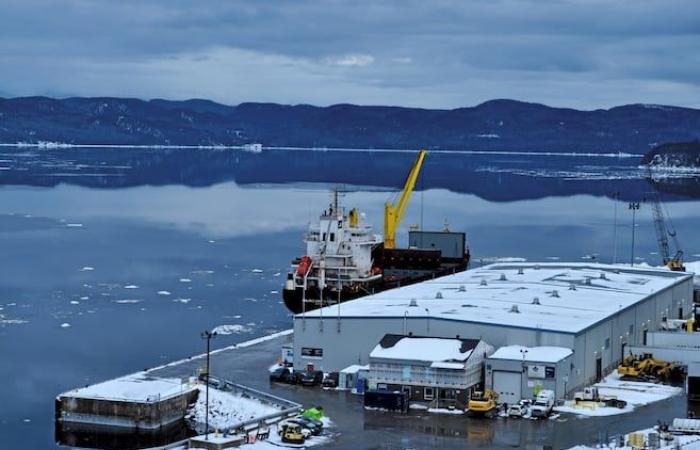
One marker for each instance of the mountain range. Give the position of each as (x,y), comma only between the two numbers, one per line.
(496,125)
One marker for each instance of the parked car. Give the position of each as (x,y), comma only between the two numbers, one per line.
(280,375)
(543,404)
(315,426)
(518,410)
(331,380)
(313,378)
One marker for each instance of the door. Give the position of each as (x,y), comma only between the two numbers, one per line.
(508,386)
(598,368)
(622,350)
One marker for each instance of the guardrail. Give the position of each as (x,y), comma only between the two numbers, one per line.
(289,408)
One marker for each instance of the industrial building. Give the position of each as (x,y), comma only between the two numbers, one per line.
(438,371)
(515,372)
(594,310)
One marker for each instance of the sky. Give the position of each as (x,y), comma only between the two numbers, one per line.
(582,54)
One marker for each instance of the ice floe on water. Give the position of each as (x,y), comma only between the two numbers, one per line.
(74,225)
(74,302)
(257,270)
(131,286)
(85,298)
(86,269)
(65,325)
(185,280)
(182,300)
(232,329)
(127,301)
(163,292)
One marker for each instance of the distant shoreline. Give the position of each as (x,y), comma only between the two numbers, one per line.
(60,145)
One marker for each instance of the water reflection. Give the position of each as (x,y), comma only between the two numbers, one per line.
(495,177)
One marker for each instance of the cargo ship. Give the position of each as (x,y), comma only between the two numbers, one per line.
(346,260)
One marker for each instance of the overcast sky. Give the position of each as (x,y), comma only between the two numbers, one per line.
(431,53)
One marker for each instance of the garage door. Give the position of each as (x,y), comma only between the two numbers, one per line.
(507,386)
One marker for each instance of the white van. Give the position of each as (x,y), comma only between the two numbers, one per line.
(543,404)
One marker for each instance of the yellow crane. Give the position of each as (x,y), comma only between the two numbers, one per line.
(394,212)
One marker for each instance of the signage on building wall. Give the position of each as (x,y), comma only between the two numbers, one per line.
(540,372)
(311,352)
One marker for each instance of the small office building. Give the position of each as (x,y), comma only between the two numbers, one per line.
(439,371)
(515,372)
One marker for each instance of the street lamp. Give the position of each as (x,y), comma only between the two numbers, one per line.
(208,335)
(634,206)
(427,312)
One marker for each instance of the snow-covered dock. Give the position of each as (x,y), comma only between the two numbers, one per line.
(138,401)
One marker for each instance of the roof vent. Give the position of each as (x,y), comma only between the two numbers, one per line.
(413,302)
(537,267)
(555,293)
(588,281)
(536,301)
(483,282)
(602,276)
(438,295)
(572,287)
(520,271)
(461,288)
(503,277)
(514,309)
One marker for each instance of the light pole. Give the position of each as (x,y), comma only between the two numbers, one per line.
(634,206)
(616,198)
(208,335)
(427,317)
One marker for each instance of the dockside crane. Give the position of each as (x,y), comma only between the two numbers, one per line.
(394,211)
(664,228)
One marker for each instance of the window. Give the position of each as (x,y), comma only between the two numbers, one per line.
(428,393)
(332,237)
(607,343)
(381,386)
(631,330)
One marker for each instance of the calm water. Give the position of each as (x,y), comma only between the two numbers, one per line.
(115,260)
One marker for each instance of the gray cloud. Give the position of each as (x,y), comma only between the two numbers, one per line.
(579,53)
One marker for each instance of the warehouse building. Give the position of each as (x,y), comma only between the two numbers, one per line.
(595,310)
(515,372)
(441,372)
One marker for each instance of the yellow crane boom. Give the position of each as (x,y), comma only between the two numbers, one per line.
(394,212)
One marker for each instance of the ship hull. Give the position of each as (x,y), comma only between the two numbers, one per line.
(402,268)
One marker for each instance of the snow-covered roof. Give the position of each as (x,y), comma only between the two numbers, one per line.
(447,365)
(137,387)
(354,368)
(561,297)
(427,349)
(532,354)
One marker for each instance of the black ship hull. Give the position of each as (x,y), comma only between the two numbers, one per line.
(400,267)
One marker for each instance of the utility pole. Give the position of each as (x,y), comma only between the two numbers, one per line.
(208,335)
(634,206)
(616,198)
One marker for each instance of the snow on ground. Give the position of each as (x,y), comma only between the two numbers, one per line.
(635,393)
(227,408)
(445,411)
(685,442)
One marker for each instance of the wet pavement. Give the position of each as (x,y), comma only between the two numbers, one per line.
(360,429)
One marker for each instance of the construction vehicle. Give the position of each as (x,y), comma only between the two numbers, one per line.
(483,403)
(591,394)
(394,211)
(664,228)
(293,433)
(648,368)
